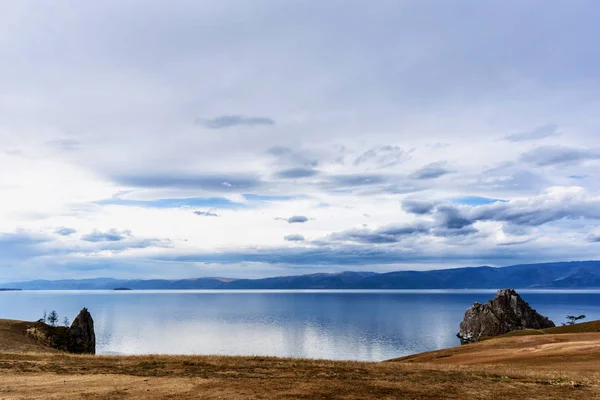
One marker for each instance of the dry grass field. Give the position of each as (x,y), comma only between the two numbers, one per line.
(542,366)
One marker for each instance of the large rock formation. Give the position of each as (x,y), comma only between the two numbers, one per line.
(82,338)
(78,338)
(505,313)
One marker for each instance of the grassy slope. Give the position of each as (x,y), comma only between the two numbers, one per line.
(591,326)
(28,371)
(574,347)
(12,338)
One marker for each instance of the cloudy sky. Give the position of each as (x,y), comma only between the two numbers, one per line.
(250,138)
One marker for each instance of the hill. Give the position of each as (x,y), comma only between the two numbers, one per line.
(570,347)
(558,275)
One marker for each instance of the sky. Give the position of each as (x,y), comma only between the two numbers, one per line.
(252,138)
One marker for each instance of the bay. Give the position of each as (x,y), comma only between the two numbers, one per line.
(348,325)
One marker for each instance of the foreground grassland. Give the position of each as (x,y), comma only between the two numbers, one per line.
(542,366)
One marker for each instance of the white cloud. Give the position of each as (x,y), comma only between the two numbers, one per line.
(267,111)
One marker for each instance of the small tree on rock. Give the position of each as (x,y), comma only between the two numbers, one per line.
(66,322)
(572,319)
(53,318)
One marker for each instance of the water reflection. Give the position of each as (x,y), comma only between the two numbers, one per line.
(335,325)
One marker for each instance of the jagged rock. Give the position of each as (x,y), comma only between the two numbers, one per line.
(505,313)
(82,338)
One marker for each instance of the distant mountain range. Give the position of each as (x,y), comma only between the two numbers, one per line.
(558,275)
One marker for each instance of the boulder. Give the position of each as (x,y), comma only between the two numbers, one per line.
(82,338)
(505,313)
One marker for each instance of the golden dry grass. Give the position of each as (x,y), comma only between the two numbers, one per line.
(573,351)
(13,339)
(35,373)
(591,326)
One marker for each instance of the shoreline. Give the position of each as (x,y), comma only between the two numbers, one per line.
(538,365)
(466,290)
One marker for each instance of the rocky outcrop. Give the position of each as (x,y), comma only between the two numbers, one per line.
(79,338)
(505,313)
(55,337)
(82,338)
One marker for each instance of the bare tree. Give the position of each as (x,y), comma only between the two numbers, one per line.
(572,319)
(66,322)
(53,318)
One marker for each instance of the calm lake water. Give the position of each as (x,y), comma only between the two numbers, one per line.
(349,325)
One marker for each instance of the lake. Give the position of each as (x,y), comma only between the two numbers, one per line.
(348,325)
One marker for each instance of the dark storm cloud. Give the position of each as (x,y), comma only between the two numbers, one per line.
(536,212)
(397,233)
(403,230)
(431,171)
(363,236)
(416,206)
(111,235)
(294,238)
(556,155)
(228,121)
(450,232)
(531,212)
(451,217)
(538,133)
(386,234)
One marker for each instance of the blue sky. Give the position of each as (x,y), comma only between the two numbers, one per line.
(250,138)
